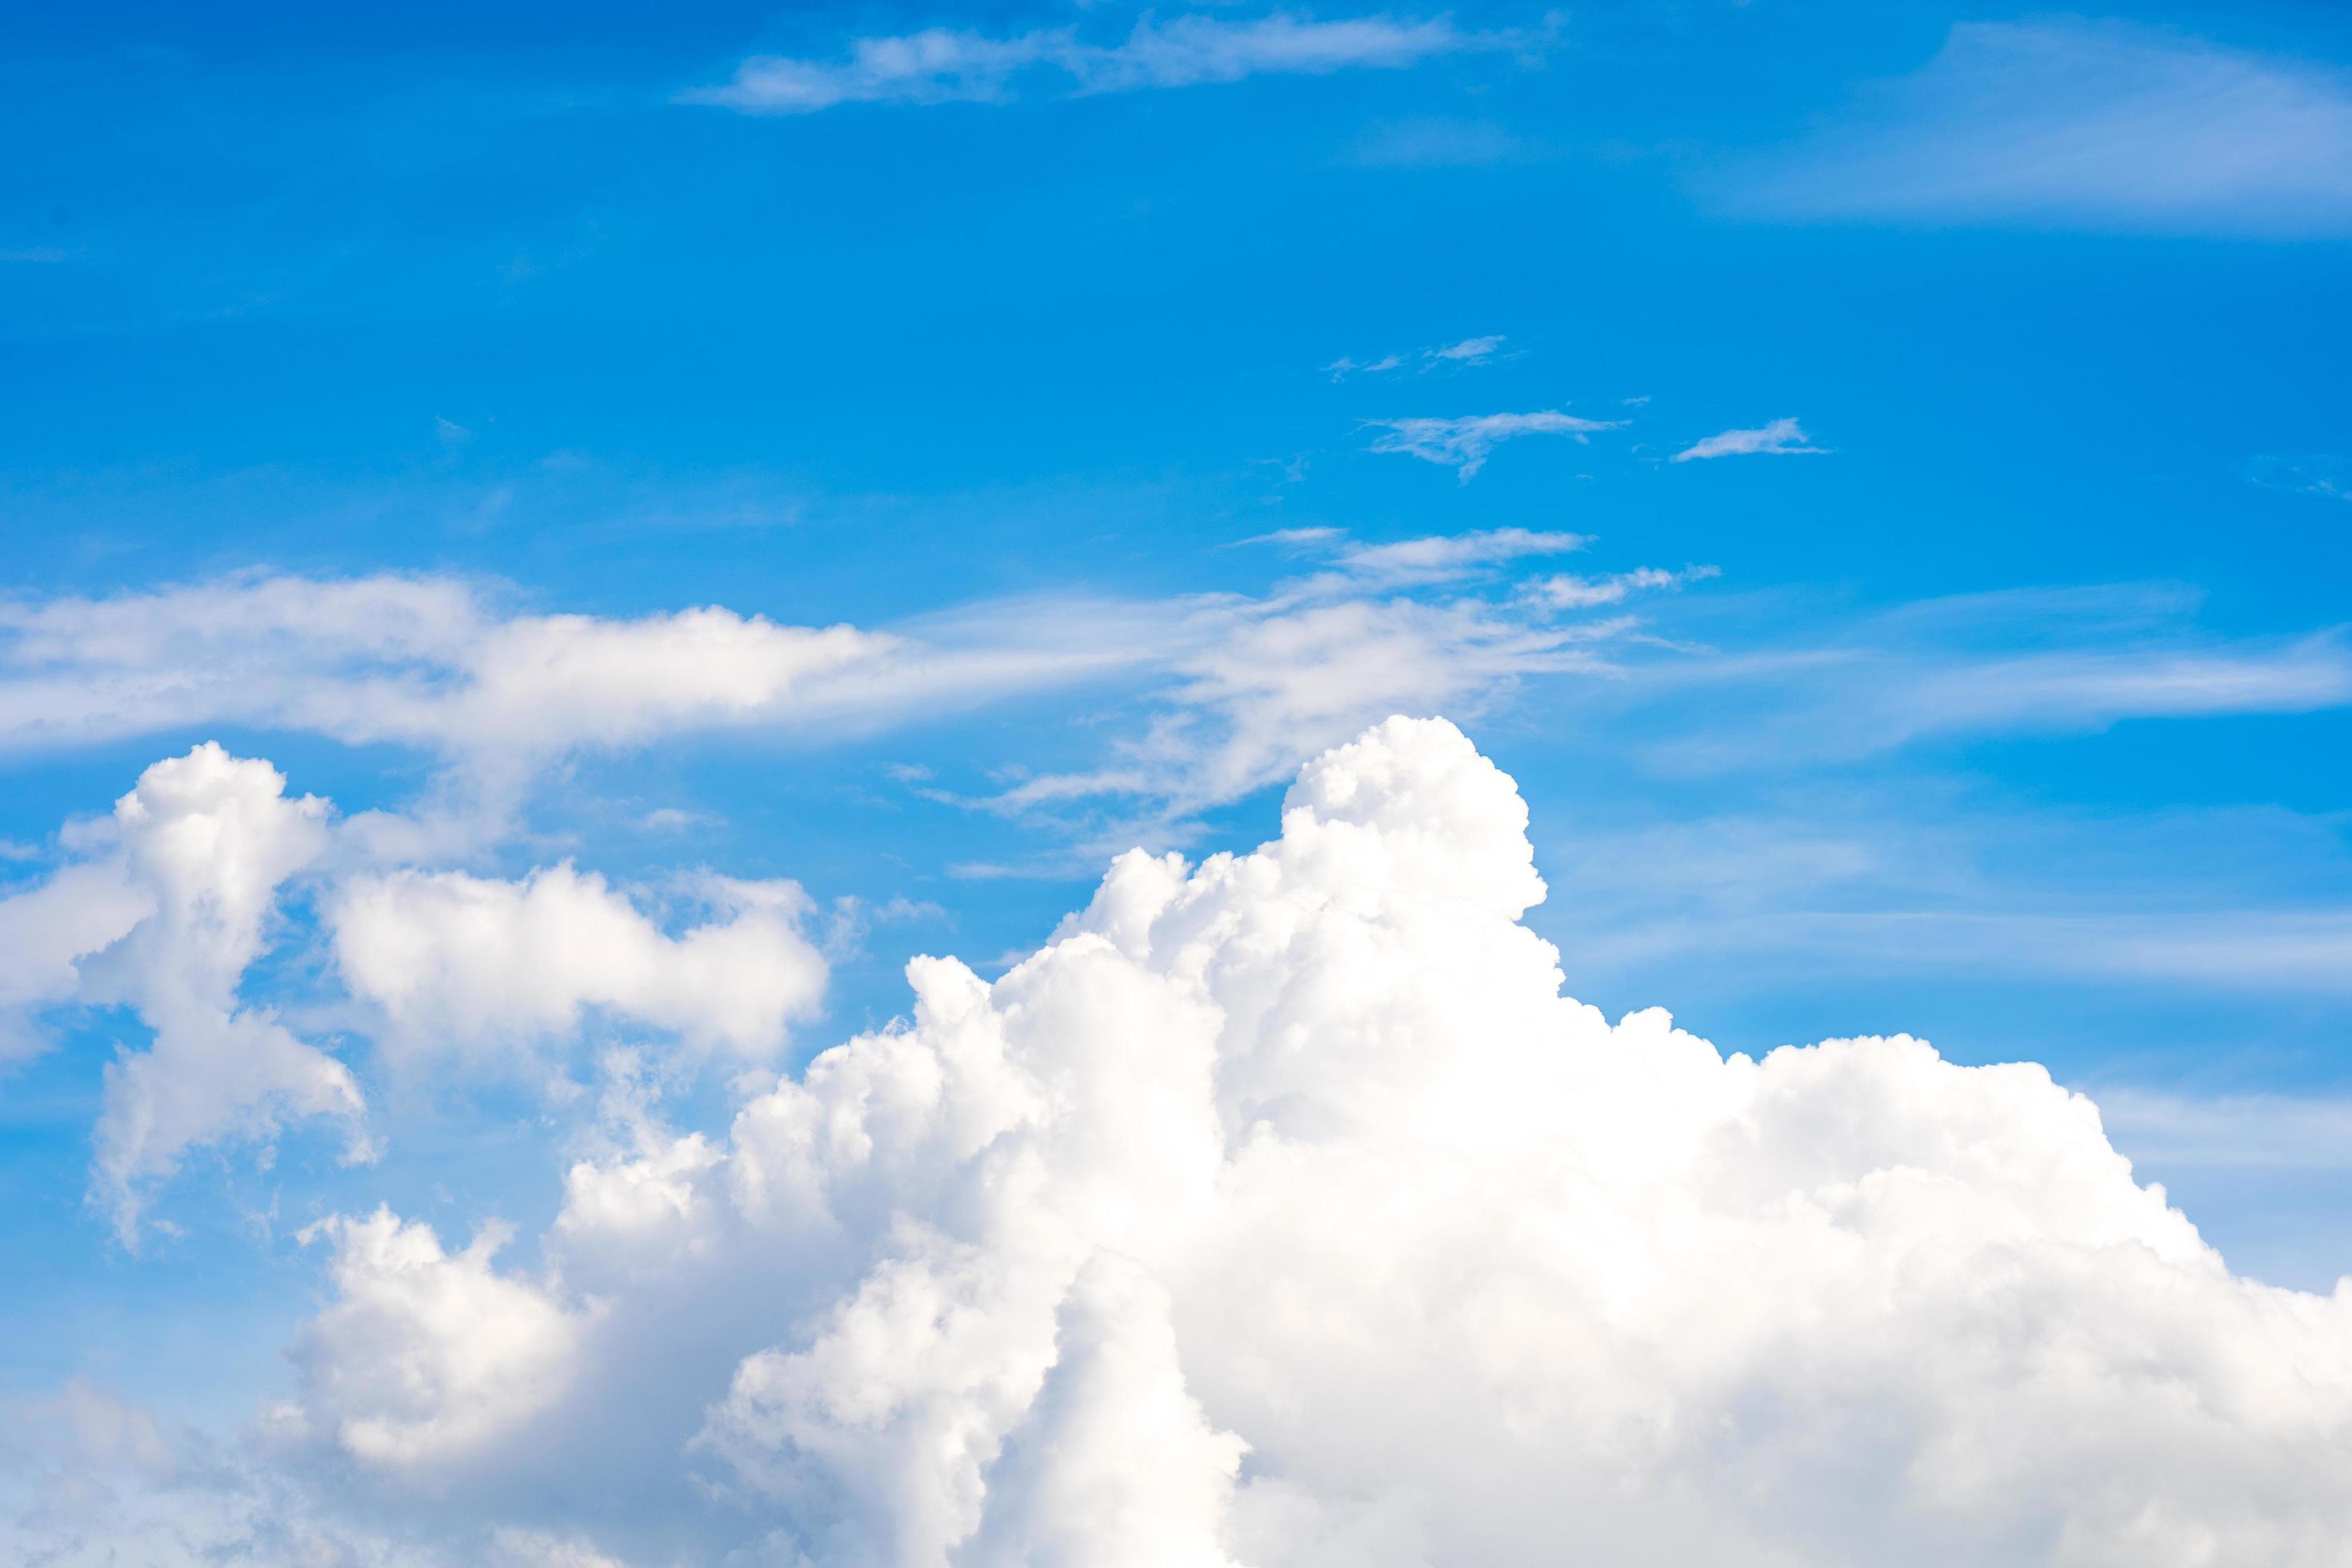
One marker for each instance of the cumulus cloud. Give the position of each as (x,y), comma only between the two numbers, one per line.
(1464,444)
(1282,1210)
(455,962)
(207,839)
(425,1357)
(942,65)
(2079,125)
(44,930)
(179,894)
(1780,437)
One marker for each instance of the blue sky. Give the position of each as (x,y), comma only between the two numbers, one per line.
(1879,477)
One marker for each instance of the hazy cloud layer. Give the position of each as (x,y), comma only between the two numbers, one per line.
(941,65)
(2083,124)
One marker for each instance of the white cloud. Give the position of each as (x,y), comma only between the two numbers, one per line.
(207,839)
(2018,661)
(1780,437)
(455,962)
(942,65)
(428,662)
(1301,1155)
(1468,351)
(1343,367)
(427,1358)
(1267,690)
(1296,538)
(2324,475)
(1438,557)
(2180,1131)
(542,1549)
(2084,124)
(1567,591)
(87,1477)
(179,896)
(2090,688)
(1834,886)
(497,698)
(1464,444)
(44,930)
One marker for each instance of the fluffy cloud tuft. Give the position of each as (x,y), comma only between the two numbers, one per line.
(425,1357)
(454,961)
(206,838)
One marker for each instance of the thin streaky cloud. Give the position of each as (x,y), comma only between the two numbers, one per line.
(1569,591)
(941,65)
(2231,1131)
(1464,444)
(497,698)
(2028,661)
(1441,556)
(1469,349)
(1345,366)
(1782,438)
(2078,124)
(1475,350)
(2249,951)
(1292,538)
(2324,475)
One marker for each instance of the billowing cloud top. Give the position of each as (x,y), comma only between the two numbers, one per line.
(1281,1210)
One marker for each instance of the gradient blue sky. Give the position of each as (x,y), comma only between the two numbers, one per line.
(2014,712)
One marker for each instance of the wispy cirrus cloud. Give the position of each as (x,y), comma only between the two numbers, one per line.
(1873,876)
(1780,437)
(496,696)
(2325,475)
(1441,556)
(1567,590)
(2019,662)
(2231,1130)
(943,65)
(2080,124)
(1468,351)
(1464,444)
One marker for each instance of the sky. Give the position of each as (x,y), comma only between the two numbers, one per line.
(546,554)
